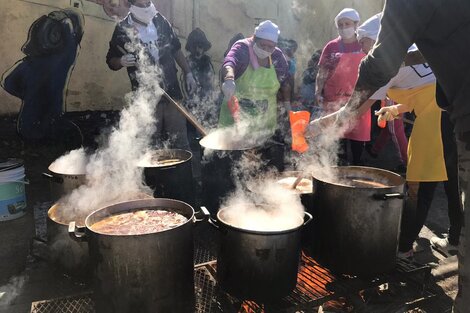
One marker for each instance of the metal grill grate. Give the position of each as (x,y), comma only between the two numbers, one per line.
(315,285)
(206,292)
(73,304)
(202,254)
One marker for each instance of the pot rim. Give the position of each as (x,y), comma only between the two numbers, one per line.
(54,207)
(259,232)
(393,175)
(130,202)
(293,173)
(207,142)
(141,164)
(64,174)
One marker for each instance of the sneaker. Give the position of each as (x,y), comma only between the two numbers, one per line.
(442,245)
(408,255)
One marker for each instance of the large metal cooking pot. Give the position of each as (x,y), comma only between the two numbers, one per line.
(70,255)
(142,273)
(357,219)
(169,179)
(258,265)
(222,153)
(62,184)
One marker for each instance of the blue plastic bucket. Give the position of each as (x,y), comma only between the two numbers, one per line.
(12,189)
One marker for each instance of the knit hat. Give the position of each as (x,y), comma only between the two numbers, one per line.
(347,13)
(370,28)
(197,38)
(267,30)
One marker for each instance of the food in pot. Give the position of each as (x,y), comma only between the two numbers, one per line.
(361,182)
(64,212)
(139,222)
(260,218)
(304,186)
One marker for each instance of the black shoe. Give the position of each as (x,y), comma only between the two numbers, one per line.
(372,154)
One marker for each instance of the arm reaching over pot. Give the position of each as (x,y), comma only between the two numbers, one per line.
(356,106)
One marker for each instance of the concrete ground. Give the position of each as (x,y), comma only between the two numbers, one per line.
(40,281)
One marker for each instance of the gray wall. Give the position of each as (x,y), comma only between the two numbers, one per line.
(94,87)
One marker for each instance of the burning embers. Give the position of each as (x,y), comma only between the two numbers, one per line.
(139,222)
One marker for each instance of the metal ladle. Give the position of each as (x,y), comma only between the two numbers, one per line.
(297,181)
(186,114)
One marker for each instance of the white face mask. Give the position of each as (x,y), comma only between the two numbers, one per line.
(145,15)
(260,53)
(347,33)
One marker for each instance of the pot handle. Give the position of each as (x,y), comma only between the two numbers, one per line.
(55,179)
(205,214)
(77,233)
(309,218)
(213,222)
(388,196)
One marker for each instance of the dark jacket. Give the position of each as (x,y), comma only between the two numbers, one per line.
(440,29)
(168,44)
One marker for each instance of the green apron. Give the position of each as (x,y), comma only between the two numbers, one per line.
(256,92)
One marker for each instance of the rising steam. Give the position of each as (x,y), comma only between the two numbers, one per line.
(12,289)
(112,172)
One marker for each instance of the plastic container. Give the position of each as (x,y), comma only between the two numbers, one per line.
(12,189)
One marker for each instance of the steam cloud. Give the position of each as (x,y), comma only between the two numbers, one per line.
(12,289)
(112,172)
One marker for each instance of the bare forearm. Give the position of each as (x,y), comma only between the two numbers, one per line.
(286,92)
(227,73)
(320,80)
(181,61)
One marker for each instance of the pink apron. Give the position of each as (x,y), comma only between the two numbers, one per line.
(339,87)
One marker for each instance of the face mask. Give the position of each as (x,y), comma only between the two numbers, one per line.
(145,15)
(260,53)
(347,33)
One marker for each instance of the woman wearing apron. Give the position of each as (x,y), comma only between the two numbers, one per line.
(336,78)
(254,71)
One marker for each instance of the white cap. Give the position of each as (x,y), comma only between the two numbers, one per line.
(370,28)
(347,13)
(267,30)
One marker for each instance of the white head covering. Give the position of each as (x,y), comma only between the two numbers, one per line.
(370,28)
(267,30)
(347,13)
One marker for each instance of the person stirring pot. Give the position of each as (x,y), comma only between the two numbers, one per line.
(254,71)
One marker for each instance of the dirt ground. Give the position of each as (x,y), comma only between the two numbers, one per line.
(40,281)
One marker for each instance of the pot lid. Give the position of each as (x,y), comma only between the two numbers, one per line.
(10,163)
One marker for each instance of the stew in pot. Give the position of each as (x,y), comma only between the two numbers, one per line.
(139,222)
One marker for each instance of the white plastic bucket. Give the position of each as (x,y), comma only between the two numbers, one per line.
(12,190)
